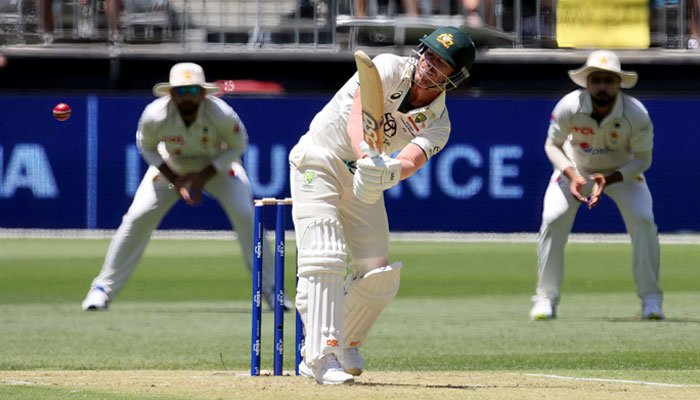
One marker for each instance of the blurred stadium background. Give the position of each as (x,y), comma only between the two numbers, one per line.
(279,61)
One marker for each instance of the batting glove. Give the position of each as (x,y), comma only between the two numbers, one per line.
(374,176)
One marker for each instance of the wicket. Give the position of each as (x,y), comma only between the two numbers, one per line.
(279,290)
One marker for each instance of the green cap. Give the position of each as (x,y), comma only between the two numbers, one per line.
(452,45)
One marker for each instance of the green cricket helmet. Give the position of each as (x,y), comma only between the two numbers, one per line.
(455,47)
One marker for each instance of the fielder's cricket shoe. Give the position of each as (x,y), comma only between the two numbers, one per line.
(270,301)
(327,372)
(96,300)
(352,361)
(542,310)
(651,307)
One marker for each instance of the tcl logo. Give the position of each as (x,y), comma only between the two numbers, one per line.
(584,130)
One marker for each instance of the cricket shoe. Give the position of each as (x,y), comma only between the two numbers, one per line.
(327,372)
(96,300)
(651,307)
(542,310)
(352,361)
(270,301)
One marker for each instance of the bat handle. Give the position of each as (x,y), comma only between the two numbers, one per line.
(369,150)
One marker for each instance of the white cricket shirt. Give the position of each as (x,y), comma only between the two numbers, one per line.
(428,127)
(216,137)
(603,147)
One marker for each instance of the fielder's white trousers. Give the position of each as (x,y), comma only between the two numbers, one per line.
(632,198)
(153,199)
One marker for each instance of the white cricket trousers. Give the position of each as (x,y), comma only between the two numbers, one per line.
(632,198)
(153,199)
(329,195)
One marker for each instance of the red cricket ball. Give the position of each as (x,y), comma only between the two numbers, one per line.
(61,111)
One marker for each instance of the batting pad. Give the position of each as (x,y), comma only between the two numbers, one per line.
(322,247)
(365,298)
(324,317)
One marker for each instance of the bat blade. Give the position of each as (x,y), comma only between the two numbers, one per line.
(372,101)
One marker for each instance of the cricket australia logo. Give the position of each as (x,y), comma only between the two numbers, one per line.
(446,39)
(308,179)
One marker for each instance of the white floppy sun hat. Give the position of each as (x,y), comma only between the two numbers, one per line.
(185,74)
(603,60)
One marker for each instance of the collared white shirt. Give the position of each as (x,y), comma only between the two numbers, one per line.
(603,147)
(428,127)
(216,137)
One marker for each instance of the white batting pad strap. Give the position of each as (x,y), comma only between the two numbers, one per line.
(324,317)
(365,298)
(322,244)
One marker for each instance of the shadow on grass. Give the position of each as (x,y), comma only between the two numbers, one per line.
(204,310)
(638,318)
(446,386)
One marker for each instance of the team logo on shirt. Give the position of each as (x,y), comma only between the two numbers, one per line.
(308,179)
(447,40)
(420,118)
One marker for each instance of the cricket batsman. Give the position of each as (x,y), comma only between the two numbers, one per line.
(600,140)
(193,143)
(338,188)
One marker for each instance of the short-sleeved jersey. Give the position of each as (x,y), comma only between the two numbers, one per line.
(428,127)
(603,147)
(216,137)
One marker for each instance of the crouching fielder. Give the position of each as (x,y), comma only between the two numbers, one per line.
(338,197)
(600,140)
(193,143)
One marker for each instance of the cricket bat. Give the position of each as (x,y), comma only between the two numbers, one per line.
(372,102)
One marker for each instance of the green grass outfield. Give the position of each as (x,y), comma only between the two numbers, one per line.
(461,307)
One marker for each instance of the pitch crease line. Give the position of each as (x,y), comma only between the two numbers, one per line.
(572,378)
